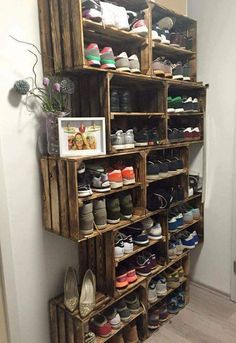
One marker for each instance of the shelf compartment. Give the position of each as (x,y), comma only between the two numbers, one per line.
(171,51)
(138,249)
(137,114)
(159,178)
(185,114)
(112,33)
(169,291)
(185,227)
(130,288)
(123,325)
(97,195)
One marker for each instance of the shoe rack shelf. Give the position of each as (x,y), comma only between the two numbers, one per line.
(64,35)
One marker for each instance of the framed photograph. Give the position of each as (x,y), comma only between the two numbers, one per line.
(82,136)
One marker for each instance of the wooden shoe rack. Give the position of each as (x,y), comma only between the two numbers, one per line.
(64,34)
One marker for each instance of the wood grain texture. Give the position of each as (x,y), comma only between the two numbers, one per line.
(209,318)
(47,222)
(65,34)
(62,178)
(77,33)
(56,35)
(53,178)
(73,196)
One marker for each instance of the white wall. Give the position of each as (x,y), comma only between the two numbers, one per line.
(33,260)
(216,66)
(179,6)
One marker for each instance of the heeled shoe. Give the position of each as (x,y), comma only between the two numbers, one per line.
(87,296)
(71,292)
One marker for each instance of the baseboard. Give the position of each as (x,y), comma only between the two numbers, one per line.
(210,289)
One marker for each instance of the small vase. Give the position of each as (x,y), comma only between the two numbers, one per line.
(52,131)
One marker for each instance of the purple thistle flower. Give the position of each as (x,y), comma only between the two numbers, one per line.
(46,81)
(57,87)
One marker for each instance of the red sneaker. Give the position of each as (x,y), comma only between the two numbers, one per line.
(115,178)
(100,326)
(127,172)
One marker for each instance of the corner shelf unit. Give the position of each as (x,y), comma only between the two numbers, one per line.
(64,35)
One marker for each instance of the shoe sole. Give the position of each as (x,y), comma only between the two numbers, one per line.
(178,77)
(119,147)
(84,194)
(129,146)
(101,227)
(140,30)
(108,66)
(113,221)
(152,301)
(152,177)
(128,216)
(159,73)
(153,327)
(101,190)
(161,294)
(141,243)
(137,71)
(141,144)
(187,78)
(128,182)
(115,185)
(123,69)
(166,42)
(155,238)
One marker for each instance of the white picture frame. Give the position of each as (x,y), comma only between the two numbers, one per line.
(82,136)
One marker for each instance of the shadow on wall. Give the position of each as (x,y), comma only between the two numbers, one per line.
(3,316)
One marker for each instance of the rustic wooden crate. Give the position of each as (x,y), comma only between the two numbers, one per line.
(60,196)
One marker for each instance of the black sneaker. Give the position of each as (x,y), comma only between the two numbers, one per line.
(115,101)
(153,136)
(92,10)
(84,188)
(153,170)
(188,104)
(140,236)
(141,137)
(178,72)
(179,163)
(125,101)
(172,166)
(163,167)
(179,193)
(126,205)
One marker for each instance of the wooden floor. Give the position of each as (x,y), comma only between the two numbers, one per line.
(209,318)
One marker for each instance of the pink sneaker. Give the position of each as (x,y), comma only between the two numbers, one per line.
(139,27)
(92,55)
(107,58)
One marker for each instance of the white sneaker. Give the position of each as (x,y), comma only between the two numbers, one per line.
(155,232)
(121,18)
(108,16)
(134,64)
(161,287)
(152,292)
(155,36)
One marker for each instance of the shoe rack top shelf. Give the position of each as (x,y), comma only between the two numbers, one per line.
(171,51)
(111,33)
(136,114)
(169,291)
(123,325)
(185,114)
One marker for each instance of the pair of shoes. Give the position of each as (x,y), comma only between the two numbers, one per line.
(125,275)
(180,104)
(71,293)
(93,178)
(182,215)
(123,244)
(163,67)
(119,208)
(157,288)
(157,316)
(91,9)
(137,23)
(185,240)
(158,169)
(180,40)
(161,30)
(145,230)
(104,59)
(90,213)
(118,175)
(145,137)
(176,302)
(89,337)
(189,134)
(127,64)
(129,305)
(163,197)
(122,140)
(114,16)
(120,101)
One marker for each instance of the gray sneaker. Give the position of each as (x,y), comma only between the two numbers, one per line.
(100,213)
(122,62)
(158,67)
(129,139)
(118,140)
(134,64)
(86,218)
(100,182)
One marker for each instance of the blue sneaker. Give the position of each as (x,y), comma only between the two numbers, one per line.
(196,237)
(181,298)
(179,218)
(188,241)
(153,170)
(172,224)
(173,305)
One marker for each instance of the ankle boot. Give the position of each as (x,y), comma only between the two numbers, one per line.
(130,333)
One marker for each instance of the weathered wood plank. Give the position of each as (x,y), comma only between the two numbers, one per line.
(56,35)
(65,34)
(47,222)
(53,322)
(77,33)
(53,177)
(73,199)
(63,194)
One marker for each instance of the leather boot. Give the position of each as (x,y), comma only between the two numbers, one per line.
(130,333)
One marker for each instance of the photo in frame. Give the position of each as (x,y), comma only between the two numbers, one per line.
(82,136)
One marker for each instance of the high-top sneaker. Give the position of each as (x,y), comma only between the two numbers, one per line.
(92,10)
